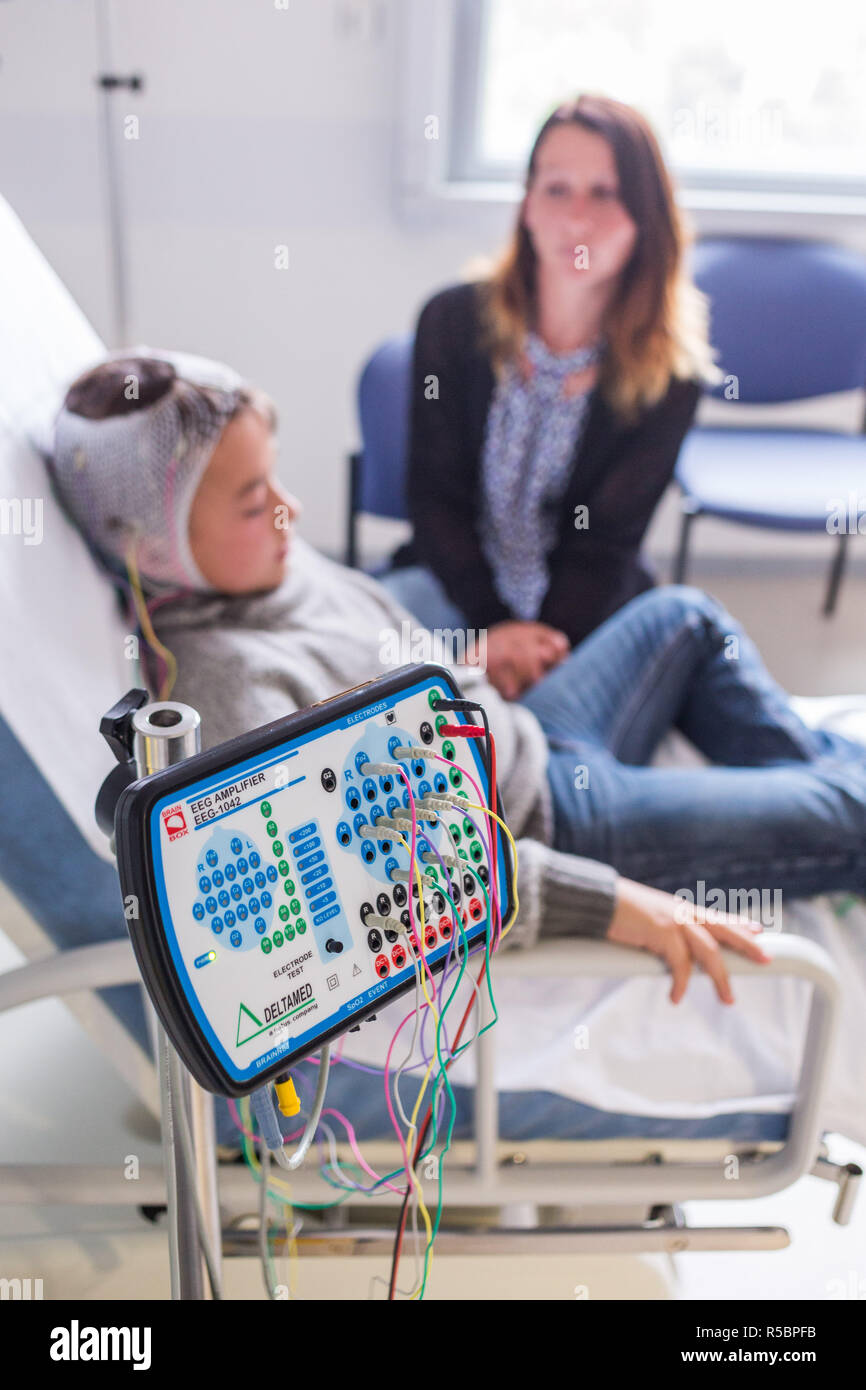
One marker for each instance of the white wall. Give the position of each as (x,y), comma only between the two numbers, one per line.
(258,127)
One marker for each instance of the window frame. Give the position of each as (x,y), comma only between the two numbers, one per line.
(456,174)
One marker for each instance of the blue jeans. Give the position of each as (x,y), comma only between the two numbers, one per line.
(420,591)
(783,807)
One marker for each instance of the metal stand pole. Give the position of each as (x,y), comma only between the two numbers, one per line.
(167,733)
(109,83)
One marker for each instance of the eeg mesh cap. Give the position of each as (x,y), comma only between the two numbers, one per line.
(128,481)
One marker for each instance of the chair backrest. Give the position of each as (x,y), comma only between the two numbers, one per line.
(788,317)
(383,408)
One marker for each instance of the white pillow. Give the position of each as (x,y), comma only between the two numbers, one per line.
(63,659)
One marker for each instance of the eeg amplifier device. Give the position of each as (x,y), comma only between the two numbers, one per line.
(271,916)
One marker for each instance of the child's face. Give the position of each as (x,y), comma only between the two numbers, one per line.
(241,521)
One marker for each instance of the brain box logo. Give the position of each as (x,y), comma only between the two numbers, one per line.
(174,822)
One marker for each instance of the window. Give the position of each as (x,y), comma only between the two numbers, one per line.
(751,95)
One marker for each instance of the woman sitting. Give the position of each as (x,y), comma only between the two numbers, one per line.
(549,401)
(168,468)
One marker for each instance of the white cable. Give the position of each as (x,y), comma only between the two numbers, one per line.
(383,923)
(264,1249)
(297,1158)
(380,770)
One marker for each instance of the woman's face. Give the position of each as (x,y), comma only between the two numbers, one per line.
(241,521)
(573,211)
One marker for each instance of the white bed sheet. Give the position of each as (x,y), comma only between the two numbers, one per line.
(622,1047)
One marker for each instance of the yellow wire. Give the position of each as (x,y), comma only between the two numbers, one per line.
(487,811)
(147,627)
(274,1181)
(291,1250)
(413,1127)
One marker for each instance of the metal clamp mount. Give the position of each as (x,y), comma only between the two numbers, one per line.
(144,738)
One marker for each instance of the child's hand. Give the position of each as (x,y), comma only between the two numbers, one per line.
(681,934)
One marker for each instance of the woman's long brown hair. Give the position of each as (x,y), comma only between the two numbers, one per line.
(656,325)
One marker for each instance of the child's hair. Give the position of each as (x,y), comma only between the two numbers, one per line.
(124,385)
(657,324)
(131,445)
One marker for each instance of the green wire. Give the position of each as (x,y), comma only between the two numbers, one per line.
(441,1079)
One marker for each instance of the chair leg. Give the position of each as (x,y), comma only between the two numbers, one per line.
(352,515)
(837,569)
(681,563)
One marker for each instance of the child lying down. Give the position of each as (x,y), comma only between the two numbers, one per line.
(167,465)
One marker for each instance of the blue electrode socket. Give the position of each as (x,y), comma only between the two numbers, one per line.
(254,880)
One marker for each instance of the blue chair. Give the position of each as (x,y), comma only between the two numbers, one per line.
(789,322)
(377,472)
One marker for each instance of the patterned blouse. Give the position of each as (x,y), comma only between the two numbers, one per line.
(530,440)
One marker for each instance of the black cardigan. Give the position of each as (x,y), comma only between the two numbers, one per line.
(619,473)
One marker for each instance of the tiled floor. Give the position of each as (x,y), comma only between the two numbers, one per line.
(60,1100)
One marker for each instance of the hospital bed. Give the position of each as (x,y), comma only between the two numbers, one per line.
(592,1096)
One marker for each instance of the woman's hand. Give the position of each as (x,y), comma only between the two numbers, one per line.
(519,654)
(681,934)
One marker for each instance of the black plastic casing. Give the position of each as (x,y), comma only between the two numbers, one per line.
(135,867)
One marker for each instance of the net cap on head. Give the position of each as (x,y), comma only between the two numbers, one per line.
(128,480)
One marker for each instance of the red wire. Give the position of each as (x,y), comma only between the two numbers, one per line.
(462,730)
(423,1135)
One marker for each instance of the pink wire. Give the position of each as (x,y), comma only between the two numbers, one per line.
(412,853)
(338,1115)
(397,1130)
(494,896)
(169,515)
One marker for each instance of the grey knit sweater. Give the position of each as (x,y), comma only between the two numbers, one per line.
(243,661)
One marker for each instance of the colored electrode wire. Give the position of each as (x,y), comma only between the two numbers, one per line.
(150,636)
(444,1052)
(462,704)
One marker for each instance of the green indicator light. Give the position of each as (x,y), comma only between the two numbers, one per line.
(271,828)
(278,937)
(283,868)
(266,945)
(290,933)
(265,809)
(279,848)
(284,913)
(290,885)
(295,905)
(300,926)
